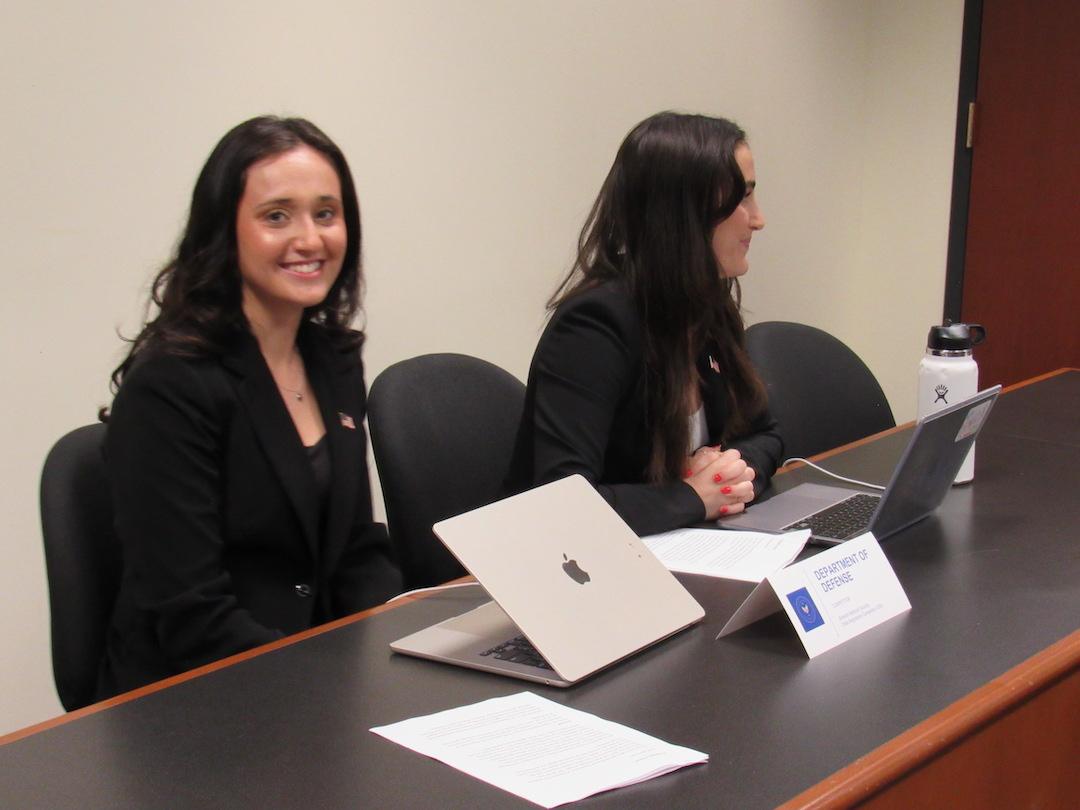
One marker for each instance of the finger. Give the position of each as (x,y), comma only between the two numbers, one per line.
(736,473)
(738,493)
(743,491)
(744,477)
(701,458)
(731,457)
(728,472)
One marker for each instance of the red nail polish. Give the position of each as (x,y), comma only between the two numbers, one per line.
(718,478)
(726,490)
(723,510)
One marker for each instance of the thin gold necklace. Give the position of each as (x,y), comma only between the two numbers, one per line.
(298,393)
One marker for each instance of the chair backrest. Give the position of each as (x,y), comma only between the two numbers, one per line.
(442,430)
(82,559)
(820,392)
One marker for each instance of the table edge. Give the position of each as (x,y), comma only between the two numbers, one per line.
(68,717)
(889,762)
(901,427)
(213,666)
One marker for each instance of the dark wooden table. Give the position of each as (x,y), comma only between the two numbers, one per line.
(970,699)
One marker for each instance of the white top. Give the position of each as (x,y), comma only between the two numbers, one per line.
(699,430)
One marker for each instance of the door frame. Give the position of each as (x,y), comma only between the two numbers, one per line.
(961,180)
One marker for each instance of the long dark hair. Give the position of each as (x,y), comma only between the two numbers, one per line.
(197,294)
(674,179)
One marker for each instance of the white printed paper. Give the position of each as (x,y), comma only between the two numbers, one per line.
(748,556)
(830,597)
(538,749)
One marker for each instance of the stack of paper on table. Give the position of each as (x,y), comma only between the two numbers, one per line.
(748,556)
(538,749)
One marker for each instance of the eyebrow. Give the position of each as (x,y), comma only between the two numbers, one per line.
(285,201)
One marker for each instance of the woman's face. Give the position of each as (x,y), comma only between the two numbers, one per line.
(290,234)
(731,238)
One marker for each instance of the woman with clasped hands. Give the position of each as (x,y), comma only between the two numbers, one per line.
(235,448)
(640,381)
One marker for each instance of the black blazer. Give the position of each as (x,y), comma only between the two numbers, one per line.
(225,542)
(585,413)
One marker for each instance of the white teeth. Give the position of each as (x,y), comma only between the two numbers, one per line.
(307,267)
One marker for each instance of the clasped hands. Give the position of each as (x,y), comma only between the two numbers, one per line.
(722,480)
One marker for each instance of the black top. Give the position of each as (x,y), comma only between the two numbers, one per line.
(225,540)
(585,413)
(319,456)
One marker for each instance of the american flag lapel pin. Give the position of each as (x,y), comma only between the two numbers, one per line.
(714,365)
(346,421)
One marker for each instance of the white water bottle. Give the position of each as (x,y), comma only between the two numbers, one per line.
(948,374)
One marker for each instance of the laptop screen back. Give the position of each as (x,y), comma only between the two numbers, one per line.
(930,462)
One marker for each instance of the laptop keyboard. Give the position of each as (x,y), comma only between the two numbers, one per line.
(841,520)
(518,650)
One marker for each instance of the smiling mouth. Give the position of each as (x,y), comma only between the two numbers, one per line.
(302,268)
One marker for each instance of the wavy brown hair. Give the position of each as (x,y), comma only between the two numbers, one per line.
(674,179)
(197,293)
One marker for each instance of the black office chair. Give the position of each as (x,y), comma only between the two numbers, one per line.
(82,560)
(442,429)
(820,392)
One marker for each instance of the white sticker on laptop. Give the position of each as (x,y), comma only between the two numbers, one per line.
(974,419)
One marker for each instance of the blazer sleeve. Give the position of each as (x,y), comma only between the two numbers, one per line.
(366,574)
(164,451)
(762,449)
(586,366)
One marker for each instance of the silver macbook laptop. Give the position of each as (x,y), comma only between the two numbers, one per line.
(574,590)
(919,484)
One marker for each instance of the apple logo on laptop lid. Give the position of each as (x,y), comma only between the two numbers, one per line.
(574,571)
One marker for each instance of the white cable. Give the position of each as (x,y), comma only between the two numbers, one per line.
(432,588)
(834,475)
(788,461)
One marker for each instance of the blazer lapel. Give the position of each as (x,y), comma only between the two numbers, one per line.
(277,435)
(341,409)
(714,394)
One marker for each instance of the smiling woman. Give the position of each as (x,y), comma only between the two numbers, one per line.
(290,235)
(235,449)
(731,237)
(640,381)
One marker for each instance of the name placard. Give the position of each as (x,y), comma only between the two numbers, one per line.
(830,597)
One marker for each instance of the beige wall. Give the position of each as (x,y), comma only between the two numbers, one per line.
(478,133)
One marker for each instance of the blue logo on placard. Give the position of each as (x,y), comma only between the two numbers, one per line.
(805,609)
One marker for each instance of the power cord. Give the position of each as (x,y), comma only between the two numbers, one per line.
(788,461)
(431,589)
(834,475)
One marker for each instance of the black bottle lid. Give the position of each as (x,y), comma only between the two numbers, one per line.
(956,337)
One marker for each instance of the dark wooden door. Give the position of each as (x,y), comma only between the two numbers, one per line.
(1022,267)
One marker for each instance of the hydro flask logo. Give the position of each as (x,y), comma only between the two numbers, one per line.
(941,391)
